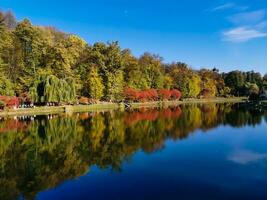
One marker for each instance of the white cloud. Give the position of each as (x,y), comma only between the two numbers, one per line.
(261,25)
(242,34)
(246,18)
(247,25)
(224,6)
(245,156)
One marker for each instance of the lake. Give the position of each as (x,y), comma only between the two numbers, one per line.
(209,151)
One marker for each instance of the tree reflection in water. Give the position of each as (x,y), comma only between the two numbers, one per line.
(39,154)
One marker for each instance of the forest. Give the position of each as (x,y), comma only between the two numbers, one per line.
(42,64)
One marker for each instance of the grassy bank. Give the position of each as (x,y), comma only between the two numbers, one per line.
(187,101)
(111,106)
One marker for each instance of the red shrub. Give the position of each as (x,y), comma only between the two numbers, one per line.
(176,94)
(131,94)
(141,115)
(84,101)
(12,125)
(152,94)
(148,95)
(24,98)
(172,113)
(10,101)
(142,96)
(87,101)
(165,94)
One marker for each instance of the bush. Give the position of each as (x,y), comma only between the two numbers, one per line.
(176,94)
(87,101)
(165,94)
(148,95)
(131,94)
(10,101)
(84,101)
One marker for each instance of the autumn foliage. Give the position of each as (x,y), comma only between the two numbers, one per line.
(131,94)
(13,125)
(151,115)
(87,101)
(10,101)
(206,93)
(176,94)
(164,94)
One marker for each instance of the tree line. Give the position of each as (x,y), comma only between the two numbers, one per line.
(46,64)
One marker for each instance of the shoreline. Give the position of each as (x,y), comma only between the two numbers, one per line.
(105,106)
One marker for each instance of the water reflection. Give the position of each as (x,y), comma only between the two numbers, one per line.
(39,153)
(245,157)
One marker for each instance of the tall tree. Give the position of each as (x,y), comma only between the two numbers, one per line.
(95,85)
(29,40)
(151,67)
(193,86)
(134,76)
(6,86)
(185,79)
(235,80)
(115,85)
(10,20)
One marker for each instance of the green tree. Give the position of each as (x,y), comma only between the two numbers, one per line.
(194,86)
(6,86)
(29,39)
(58,61)
(264,84)
(48,88)
(235,80)
(254,77)
(152,69)
(94,84)
(168,82)
(133,73)
(115,85)
(185,79)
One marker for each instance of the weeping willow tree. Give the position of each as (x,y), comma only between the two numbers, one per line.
(48,88)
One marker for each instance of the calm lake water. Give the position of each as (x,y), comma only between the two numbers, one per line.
(211,151)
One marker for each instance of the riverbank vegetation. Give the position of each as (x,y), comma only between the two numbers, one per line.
(44,66)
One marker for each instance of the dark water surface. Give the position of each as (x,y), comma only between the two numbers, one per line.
(206,151)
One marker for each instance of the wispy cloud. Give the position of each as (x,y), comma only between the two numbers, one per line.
(246,26)
(224,7)
(246,18)
(228,6)
(242,34)
(262,25)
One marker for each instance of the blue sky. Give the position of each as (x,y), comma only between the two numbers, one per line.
(208,33)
